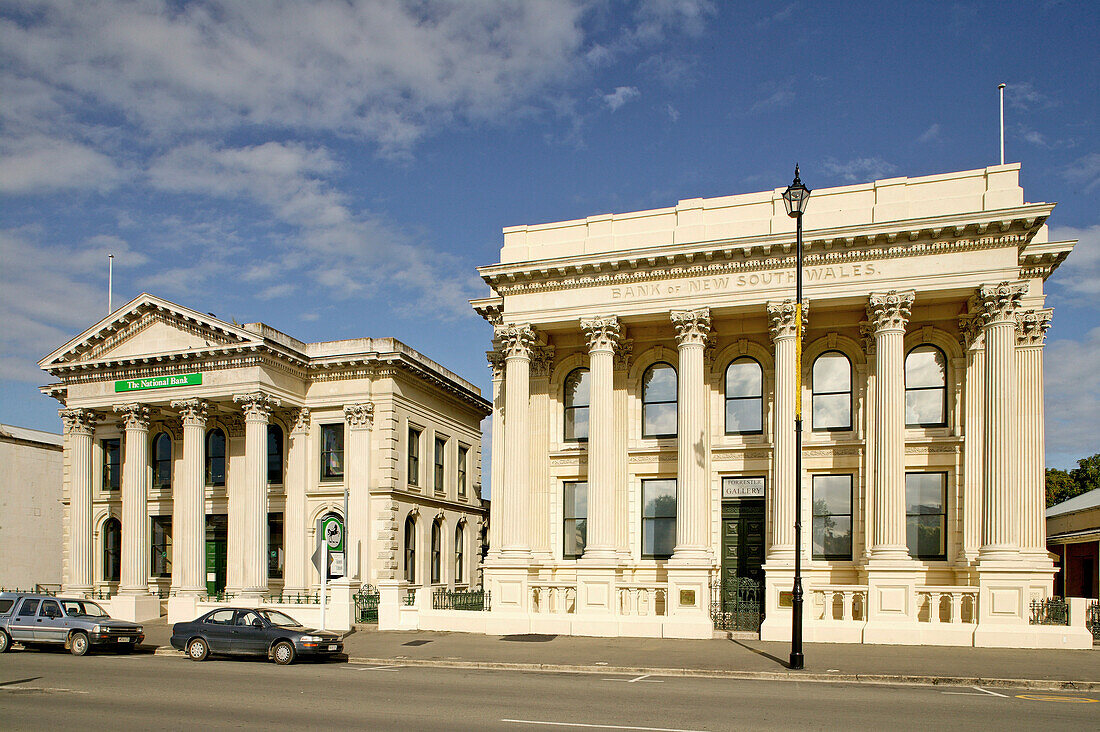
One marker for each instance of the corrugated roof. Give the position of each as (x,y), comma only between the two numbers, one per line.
(1077,503)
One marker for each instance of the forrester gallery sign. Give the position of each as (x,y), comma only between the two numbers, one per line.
(158,382)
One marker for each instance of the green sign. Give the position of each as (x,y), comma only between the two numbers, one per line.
(158,382)
(333,532)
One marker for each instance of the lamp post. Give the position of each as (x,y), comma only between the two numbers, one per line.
(795,198)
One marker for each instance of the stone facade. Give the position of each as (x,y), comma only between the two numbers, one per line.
(30,507)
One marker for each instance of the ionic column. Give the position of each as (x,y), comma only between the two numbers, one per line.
(496,363)
(360,419)
(692,331)
(135,492)
(188,507)
(252,521)
(1031,329)
(888,314)
(1000,498)
(604,335)
(79,428)
(517,342)
(296,566)
(781,507)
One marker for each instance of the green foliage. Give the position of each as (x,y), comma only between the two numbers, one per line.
(1062,485)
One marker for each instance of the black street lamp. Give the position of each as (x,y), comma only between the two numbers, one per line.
(795,199)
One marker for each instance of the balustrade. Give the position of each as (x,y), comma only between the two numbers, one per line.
(643,600)
(956,604)
(852,600)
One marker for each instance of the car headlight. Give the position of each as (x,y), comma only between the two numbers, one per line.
(140,629)
(95,629)
(311,639)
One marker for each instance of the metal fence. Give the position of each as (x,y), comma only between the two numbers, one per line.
(293,598)
(1092,619)
(737,605)
(1050,611)
(366,604)
(460,600)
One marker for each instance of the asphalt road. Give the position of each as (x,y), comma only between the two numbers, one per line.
(55,691)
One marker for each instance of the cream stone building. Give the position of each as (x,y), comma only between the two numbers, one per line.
(30,507)
(201,454)
(643,416)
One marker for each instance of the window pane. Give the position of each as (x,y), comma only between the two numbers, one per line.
(576,423)
(659,420)
(925,366)
(659,498)
(832,373)
(832,412)
(833,536)
(744,415)
(576,533)
(924,493)
(924,535)
(576,389)
(832,494)
(925,407)
(659,384)
(274,454)
(576,500)
(744,378)
(332,451)
(659,537)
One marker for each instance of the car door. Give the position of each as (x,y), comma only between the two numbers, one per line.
(21,625)
(217,628)
(249,633)
(50,625)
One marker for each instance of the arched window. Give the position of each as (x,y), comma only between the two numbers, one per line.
(437,552)
(274,454)
(410,550)
(659,401)
(343,532)
(744,397)
(926,387)
(576,400)
(215,457)
(162,460)
(112,550)
(460,553)
(832,392)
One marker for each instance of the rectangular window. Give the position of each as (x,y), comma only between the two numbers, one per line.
(275,545)
(112,464)
(162,546)
(926,515)
(332,451)
(414,456)
(440,462)
(658,518)
(462,453)
(832,520)
(575,522)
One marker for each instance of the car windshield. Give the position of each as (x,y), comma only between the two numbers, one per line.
(277,618)
(83,608)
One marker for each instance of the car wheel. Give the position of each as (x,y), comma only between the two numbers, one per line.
(284,653)
(197,650)
(5,642)
(78,644)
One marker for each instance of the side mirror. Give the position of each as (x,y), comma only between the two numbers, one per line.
(257,623)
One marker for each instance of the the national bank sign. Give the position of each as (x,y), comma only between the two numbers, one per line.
(158,382)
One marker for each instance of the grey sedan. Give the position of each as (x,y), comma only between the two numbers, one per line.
(253,631)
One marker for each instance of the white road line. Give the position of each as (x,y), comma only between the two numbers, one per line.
(644,678)
(599,726)
(375,668)
(959,693)
(987,691)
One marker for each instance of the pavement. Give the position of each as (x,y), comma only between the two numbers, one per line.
(724,657)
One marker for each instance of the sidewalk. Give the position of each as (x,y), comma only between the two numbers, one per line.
(746,659)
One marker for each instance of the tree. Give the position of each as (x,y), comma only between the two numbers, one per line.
(1062,485)
(1087,473)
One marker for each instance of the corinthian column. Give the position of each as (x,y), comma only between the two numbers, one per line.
(296,567)
(784,331)
(692,331)
(997,306)
(135,491)
(496,363)
(360,419)
(79,427)
(888,314)
(189,514)
(517,342)
(1031,330)
(604,335)
(252,521)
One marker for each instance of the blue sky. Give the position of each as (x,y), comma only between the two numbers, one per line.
(338,169)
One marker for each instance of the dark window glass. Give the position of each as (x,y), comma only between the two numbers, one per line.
(926,515)
(274,454)
(332,451)
(744,397)
(161,546)
(440,463)
(832,392)
(460,554)
(112,550)
(658,518)
(437,552)
(162,461)
(50,609)
(414,456)
(462,453)
(410,550)
(576,399)
(112,464)
(575,513)
(215,457)
(926,387)
(659,401)
(28,608)
(275,545)
(832,517)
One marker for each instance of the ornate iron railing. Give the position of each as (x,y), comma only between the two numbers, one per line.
(443,599)
(100,594)
(222,596)
(366,604)
(410,598)
(21,591)
(737,605)
(47,589)
(1050,611)
(293,598)
(1092,619)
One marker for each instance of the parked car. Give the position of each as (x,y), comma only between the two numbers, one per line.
(253,631)
(75,623)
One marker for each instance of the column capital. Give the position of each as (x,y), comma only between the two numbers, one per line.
(692,326)
(542,361)
(135,416)
(359,416)
(782,318)
(516,339)
(193,412)
(496,363)
(256,405)
(889,311)
(78,421)
(998,303)
(970,330)
(1031,326)
(624,353)
(604,332)
(300,421)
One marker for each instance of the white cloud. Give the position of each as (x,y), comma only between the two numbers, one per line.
(1072,405)
(37,163)
(620,96)
(1024,95)
(859,169)
(775,97)
(931,134)
(1085,170)
(1079,275)
(673,113)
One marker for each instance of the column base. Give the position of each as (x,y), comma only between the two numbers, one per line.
(182,608)
(597,601)
(891,602)
(135,608)
(689,600)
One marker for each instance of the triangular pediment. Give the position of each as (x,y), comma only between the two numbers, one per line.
(148,326)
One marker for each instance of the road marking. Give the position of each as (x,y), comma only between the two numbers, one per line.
(1050,698)
(644,678)
(967,693)
(41,688)
(991,693)
(373,668)
(599,726)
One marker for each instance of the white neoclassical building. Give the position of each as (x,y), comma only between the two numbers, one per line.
(200,455)
(643,425)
